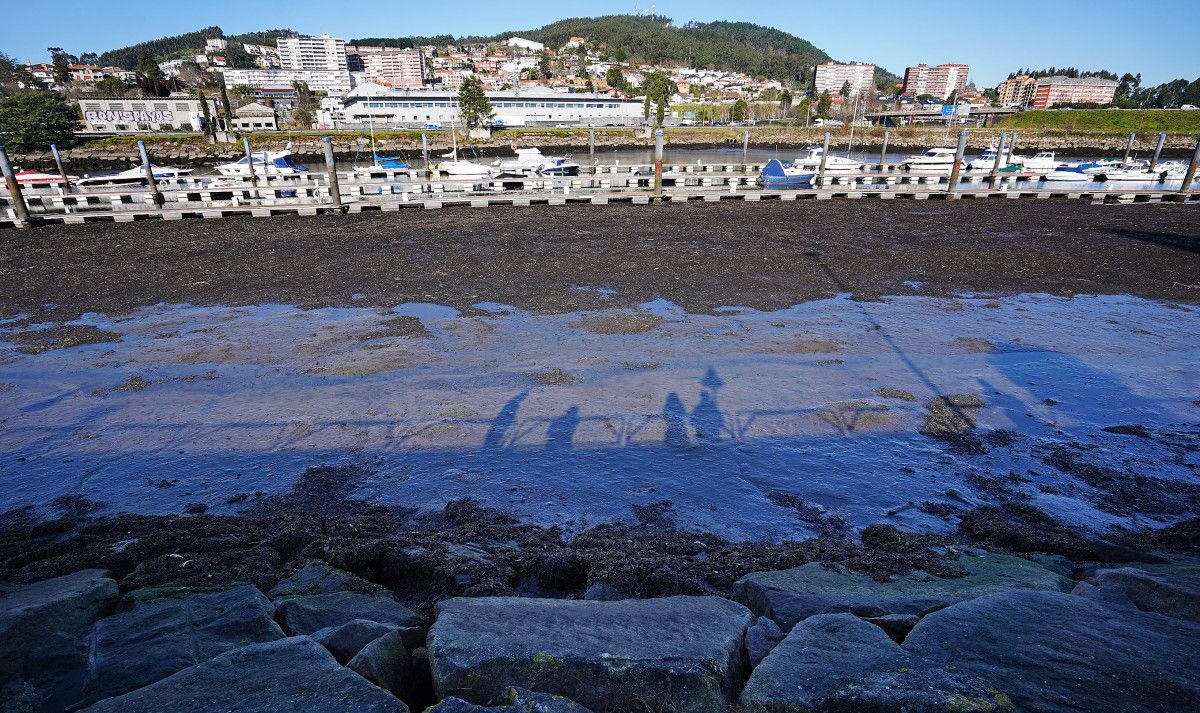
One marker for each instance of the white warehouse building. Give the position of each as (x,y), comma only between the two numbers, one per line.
(401,108)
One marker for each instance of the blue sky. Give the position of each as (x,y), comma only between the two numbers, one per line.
(1155,37)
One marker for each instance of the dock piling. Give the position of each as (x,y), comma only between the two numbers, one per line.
(658,159)
(591,142)
(883,151)
(745,144)
(18,198)
(1185,188)
(1162,139)
(250,163)
(151,183)
(999,157)
(425,149)
(59,165)
(335,189)
(958,158)
(1129,147)
(821,168)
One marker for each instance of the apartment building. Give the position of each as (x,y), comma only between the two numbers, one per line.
(1051,91)
(1017,91)
(939,81)
(320,53)
(317,80)
(832,76)
(388,66)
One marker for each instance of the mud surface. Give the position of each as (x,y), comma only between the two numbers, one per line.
(766,256)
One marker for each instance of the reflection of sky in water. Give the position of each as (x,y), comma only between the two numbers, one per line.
(713,412)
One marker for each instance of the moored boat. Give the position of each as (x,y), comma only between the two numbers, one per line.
(37,178)
(784,174)
(935,159)
(266,163)
(810,160)
(134,174)
(531,162)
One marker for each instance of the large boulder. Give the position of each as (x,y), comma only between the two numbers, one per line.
(1173,590)
(294,674)
(513,700)
(308,614)
(837,662)
(1055,651)
(157,638)
(346,640)
(41,626)
(792,595)
(319,578)
(680,653)
(385,662)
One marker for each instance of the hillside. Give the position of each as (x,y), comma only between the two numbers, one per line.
(177,45)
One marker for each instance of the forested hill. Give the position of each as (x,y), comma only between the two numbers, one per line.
(177,45)
(734,46)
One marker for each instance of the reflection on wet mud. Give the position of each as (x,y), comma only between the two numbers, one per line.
(931,406)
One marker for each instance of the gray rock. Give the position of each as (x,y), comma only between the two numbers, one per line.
(678,652)
(792,595)
(761,638)
(348,639)
(1054,651)
(157,638)
(1173,590)
(294,674)
(308,614)
(601,592)
(41,626)
(837,662)
(896,626)
(385,663)
(316,578)
(513,700)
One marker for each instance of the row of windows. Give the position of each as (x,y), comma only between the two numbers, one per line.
(179,106)
(501,105)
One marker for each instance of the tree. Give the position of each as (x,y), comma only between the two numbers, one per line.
(473,104)
(14,77)
(304,113)
(226,109)
(620,56)
(31,121)
(823,103)
(785,101)
(111,86)
(206,114)
(845,90)
(236,56)
(544,65)
(615,78)
(660,111)
(61,61)
(148,67)
(740,111)
(582,53)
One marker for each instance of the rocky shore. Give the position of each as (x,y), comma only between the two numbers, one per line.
(472,611)
(108,155)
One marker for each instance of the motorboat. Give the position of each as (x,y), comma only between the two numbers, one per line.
(785,174)
(1041,161)
(987,160)
(531,162)
(265,163)
(134,174)
(37,178)
(1077,171)
(1138,174)
(810,160)
(935,159)
(457,167)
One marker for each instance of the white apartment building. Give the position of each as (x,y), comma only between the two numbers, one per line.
(321,53)
(939,81)
(832,76)
(317,80)
(389,66)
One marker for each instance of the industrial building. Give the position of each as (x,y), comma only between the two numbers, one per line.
(116,115)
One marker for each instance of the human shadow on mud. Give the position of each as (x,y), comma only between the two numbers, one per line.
(1188,243)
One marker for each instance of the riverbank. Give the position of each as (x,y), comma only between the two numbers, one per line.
(119,152)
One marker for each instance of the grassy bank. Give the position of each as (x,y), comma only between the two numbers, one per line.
(1099,121)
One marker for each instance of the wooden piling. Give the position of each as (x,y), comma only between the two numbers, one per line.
(883,151)
(658,159)
(1162,139)
(952,188)
(1129,147)
(14,189)
(1188,176)
(335,189)
(821,168)
(999,157)
(62,172)
(250,162)
(155,195)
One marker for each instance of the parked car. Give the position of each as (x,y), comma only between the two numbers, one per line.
(432,125)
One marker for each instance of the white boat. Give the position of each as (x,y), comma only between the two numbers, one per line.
(935,159)
(1136,174)
(134,174)
(37,178)
(1041,161)
(987,160)
(266,163)
(531,162)
(810,160)
(1100,166)
(1071,172)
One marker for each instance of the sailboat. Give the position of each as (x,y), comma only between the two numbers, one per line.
(380,163)
(459,167)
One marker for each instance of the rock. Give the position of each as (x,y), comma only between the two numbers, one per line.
(761,638)
(309,614)
(385,663)
(792,595)
(896,626)
(673,653)
(318,578)
(601,592)
(348,639)
(513,700)
(1173,590)
(41,626)
(838,662)
(1055,651)
(294,674)
(157,638)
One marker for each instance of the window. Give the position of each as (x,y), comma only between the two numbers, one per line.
(137,107)
(161,107)
(181,106)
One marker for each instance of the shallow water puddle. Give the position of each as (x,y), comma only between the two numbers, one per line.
(750,424)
